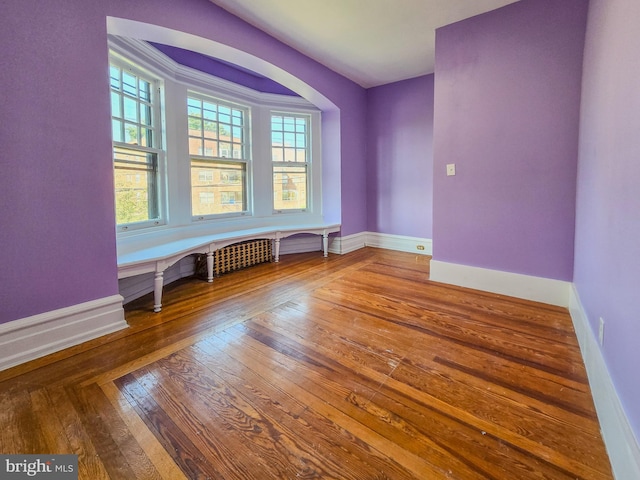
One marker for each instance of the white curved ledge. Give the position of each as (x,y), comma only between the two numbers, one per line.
(158,255)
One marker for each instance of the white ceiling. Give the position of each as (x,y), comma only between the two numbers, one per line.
(372,42)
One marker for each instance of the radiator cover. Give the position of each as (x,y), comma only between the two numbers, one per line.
(235,257)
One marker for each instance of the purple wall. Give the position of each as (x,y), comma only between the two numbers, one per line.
(56,216)
(400,156)
(57,234)
(507,96)
(607,253)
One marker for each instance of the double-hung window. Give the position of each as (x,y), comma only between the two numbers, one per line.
(290,157)
(218,135)
(198,153)
(136,139)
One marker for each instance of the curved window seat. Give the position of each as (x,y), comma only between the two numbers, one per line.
(160,251)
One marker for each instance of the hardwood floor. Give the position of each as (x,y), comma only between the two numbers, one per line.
(351,367)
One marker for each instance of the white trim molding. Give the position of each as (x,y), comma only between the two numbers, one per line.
(621,444)
(401,243)
(151,58)
(537,289)
(347,244)
(39,335)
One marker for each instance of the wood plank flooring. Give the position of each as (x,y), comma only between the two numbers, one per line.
(351,367)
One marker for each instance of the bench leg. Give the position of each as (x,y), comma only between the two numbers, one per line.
(157,292)
(325,244)
(210,267)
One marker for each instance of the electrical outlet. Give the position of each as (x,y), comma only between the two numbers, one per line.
(420,247)
(601,332)
(451,169)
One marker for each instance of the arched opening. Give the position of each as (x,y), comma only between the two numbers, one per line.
(331,148)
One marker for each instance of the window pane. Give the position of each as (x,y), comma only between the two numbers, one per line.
(114,77)
(115,105)
(135,170)
(129,84)
(289,124)
(289,155)
(210,129)
(289,140)
(145,91)
(214,121)
(217,187)
(289,145)
(130,109)
(210,148)
(135,179)
(146,137)
(237,117)
(133,119)
(195,146)
(145,114)
(225,150)
(195,126)
(116,127)
(132,203)
(290,188)
(237,134)
(210,111)
(131,133)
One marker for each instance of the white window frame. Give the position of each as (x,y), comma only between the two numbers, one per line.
(284,163)
(178,83)
(156,147)
(231,158)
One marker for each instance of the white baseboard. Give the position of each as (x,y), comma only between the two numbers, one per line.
(622,446)
(347,244)
(537,289)
(401,243)
(39,335)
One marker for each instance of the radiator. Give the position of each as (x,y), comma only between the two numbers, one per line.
(236,256)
